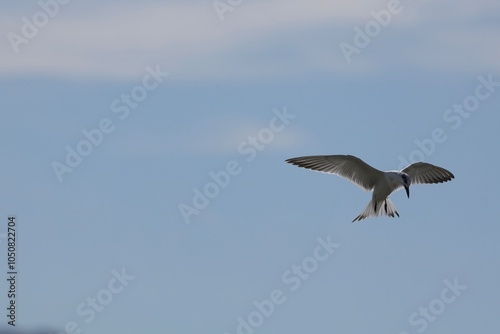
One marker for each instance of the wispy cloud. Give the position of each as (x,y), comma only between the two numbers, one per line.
(258,39)
(219,137)
(228,135)
(466,50)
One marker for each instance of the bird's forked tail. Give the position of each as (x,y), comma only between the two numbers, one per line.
(385,207)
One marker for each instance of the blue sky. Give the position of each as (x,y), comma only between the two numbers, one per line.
(103,245)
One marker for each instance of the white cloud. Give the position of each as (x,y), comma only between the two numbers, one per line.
(475,51)
(228,135)
(210,137)
(190,41)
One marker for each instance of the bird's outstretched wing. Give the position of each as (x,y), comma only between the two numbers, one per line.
(422,172)
(354,169)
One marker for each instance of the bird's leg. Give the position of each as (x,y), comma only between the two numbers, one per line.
(385,206)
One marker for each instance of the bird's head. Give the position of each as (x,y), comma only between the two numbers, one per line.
(405,182)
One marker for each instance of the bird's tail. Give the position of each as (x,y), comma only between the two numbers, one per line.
(375,209)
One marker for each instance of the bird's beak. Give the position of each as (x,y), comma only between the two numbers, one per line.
(407,188)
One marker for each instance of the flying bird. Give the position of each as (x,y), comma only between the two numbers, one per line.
(382,184)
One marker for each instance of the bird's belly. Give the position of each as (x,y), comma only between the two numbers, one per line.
(381,191)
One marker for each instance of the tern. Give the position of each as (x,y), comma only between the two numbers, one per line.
(382,184)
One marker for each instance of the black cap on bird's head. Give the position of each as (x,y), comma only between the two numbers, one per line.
(406,183)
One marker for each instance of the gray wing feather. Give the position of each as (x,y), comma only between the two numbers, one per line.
(422,172)
(354,169)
